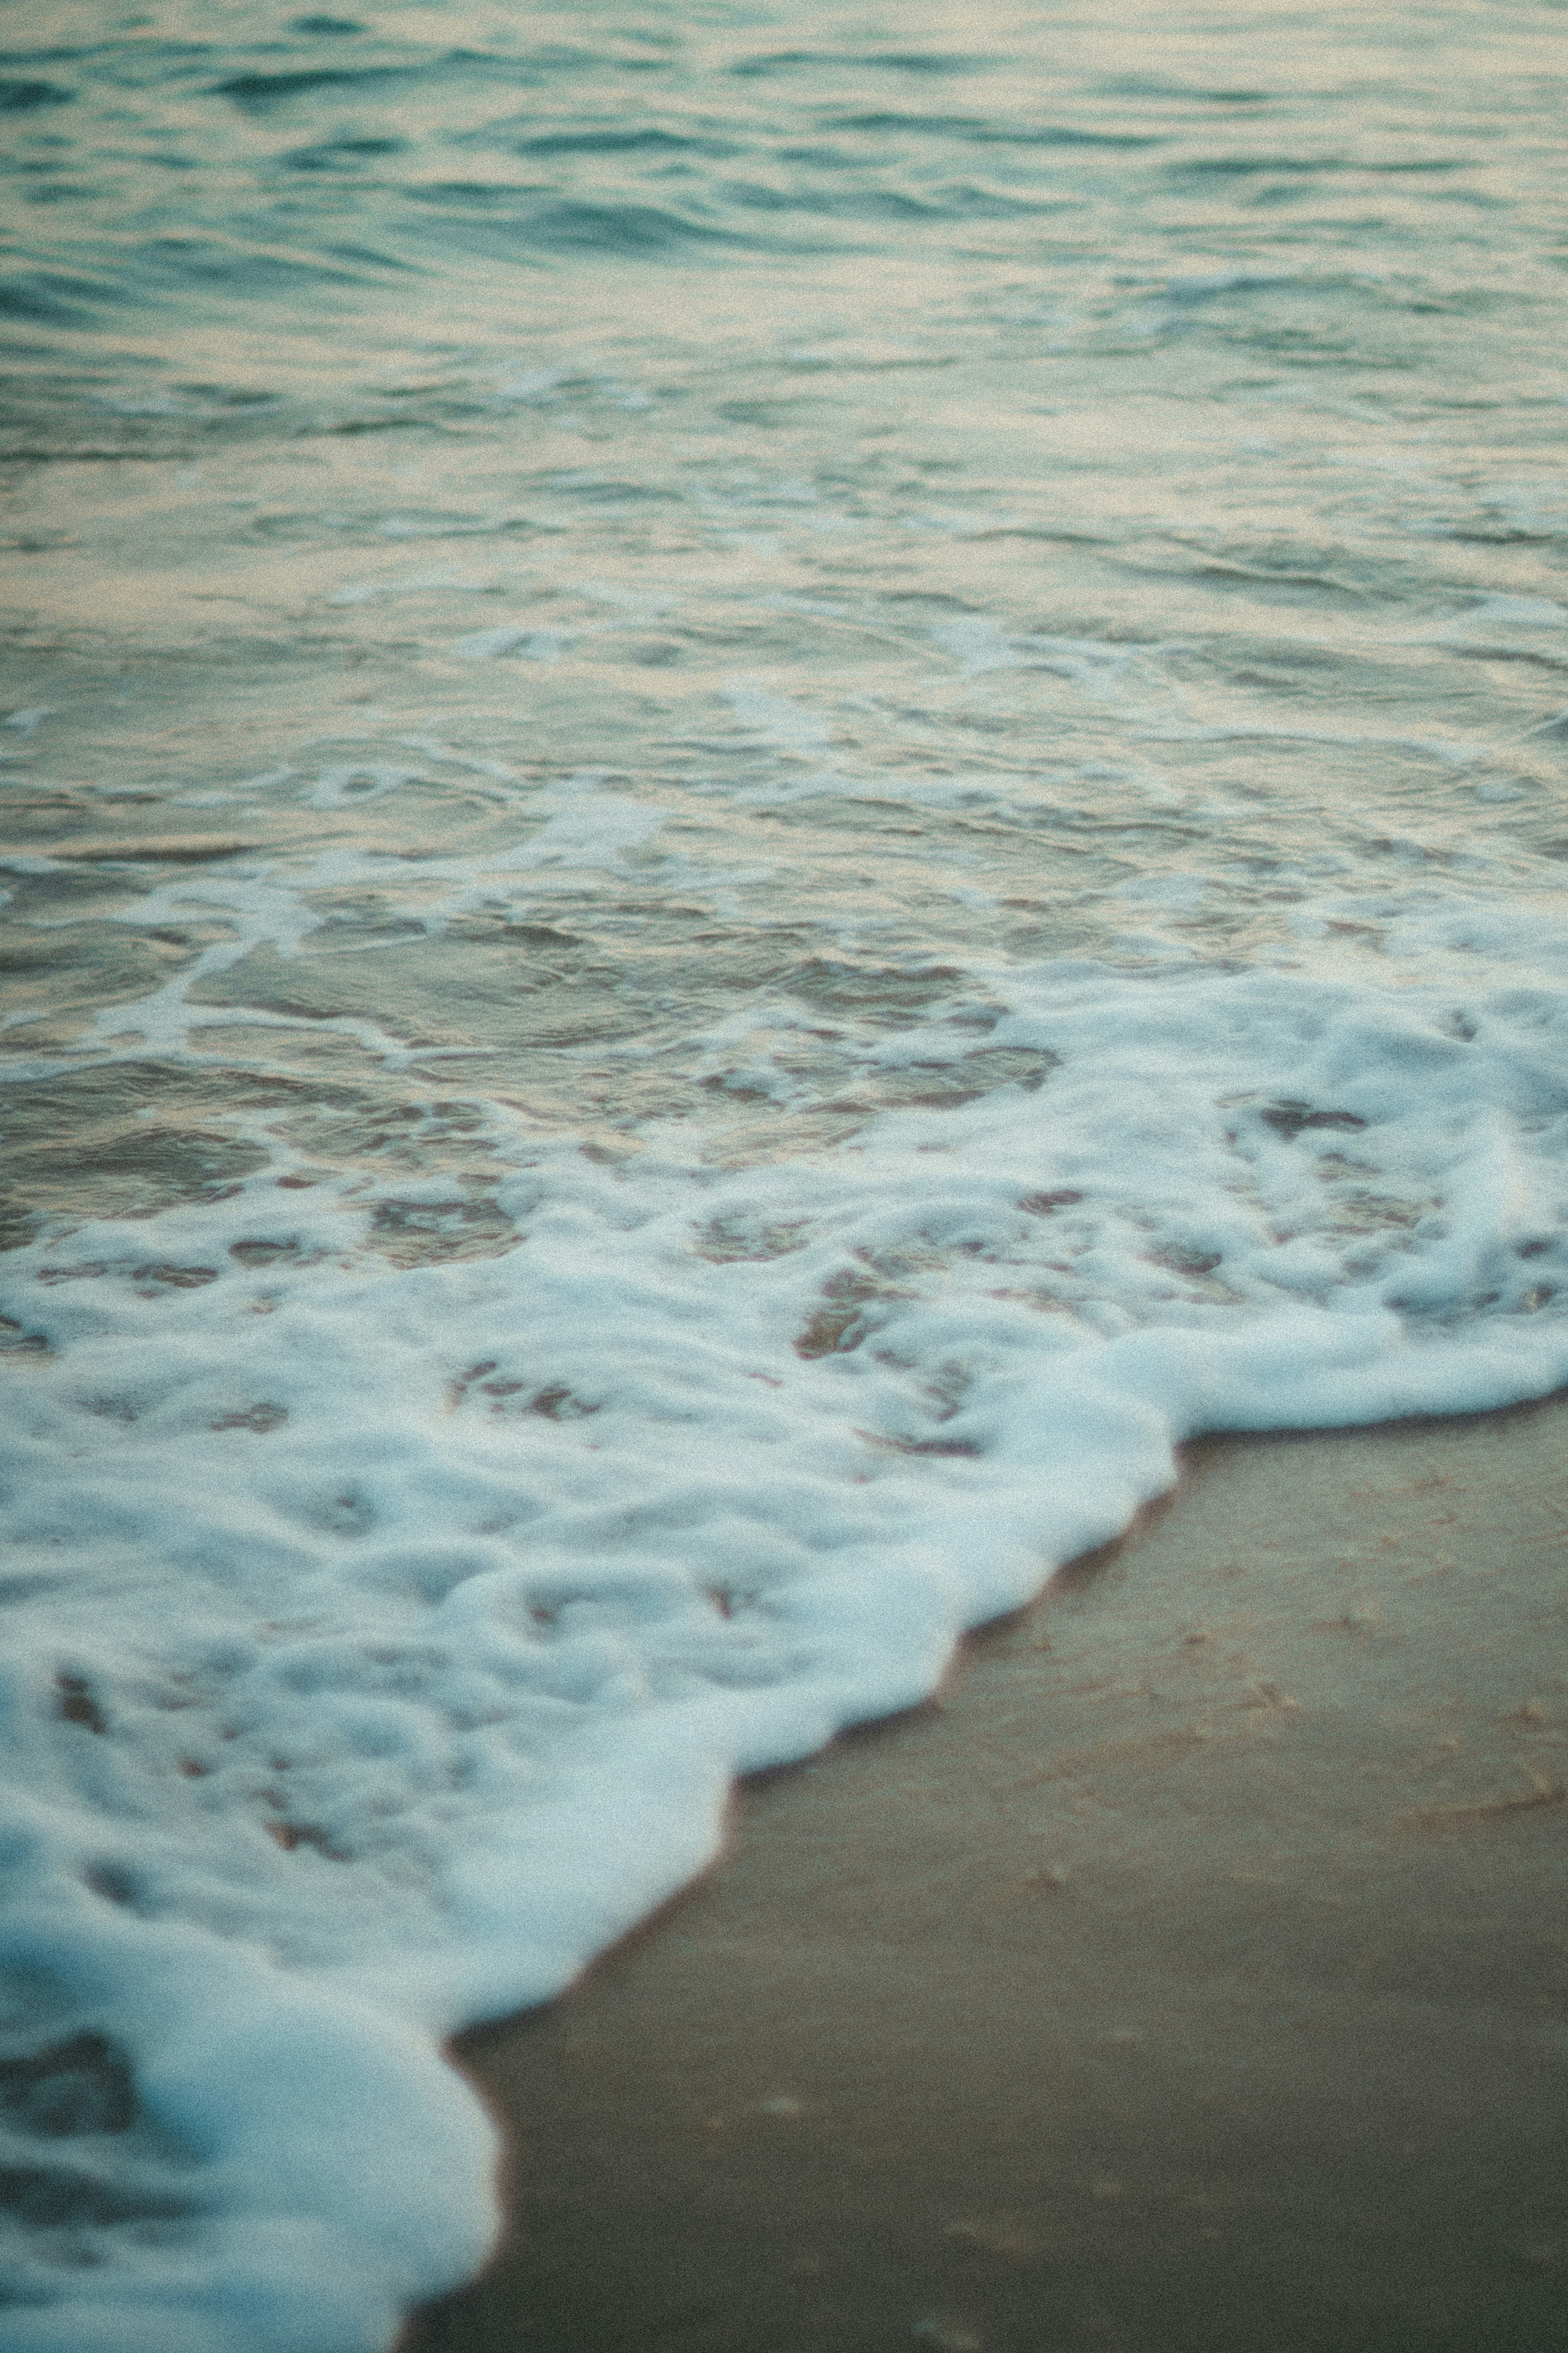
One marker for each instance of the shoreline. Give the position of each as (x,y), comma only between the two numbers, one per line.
(1191,1976)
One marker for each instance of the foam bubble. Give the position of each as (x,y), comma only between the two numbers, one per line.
(378,1659)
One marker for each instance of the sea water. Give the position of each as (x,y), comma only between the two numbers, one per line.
(778,780)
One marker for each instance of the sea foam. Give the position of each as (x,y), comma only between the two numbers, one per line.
(385,1638)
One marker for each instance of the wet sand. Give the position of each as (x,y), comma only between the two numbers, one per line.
(1192,1977)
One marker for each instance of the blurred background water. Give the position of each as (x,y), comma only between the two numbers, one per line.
(631,517)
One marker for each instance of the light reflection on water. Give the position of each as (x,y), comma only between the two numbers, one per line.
(641,575)
(600,562)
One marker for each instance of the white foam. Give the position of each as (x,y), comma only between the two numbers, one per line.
(388,1652)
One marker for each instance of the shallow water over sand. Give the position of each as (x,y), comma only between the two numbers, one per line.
(773,785)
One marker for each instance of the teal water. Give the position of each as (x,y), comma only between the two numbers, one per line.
(772,783)
(1089,466)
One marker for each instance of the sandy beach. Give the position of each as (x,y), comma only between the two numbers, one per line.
(1191,1975)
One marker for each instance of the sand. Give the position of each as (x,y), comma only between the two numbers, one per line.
(1191,1978)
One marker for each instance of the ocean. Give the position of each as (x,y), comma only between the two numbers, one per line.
(775,783)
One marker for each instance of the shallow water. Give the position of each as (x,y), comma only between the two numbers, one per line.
(775,783)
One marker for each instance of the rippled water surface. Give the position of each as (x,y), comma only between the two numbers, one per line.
(627,519)
(707,703)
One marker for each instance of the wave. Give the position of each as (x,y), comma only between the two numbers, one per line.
(385,1630)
